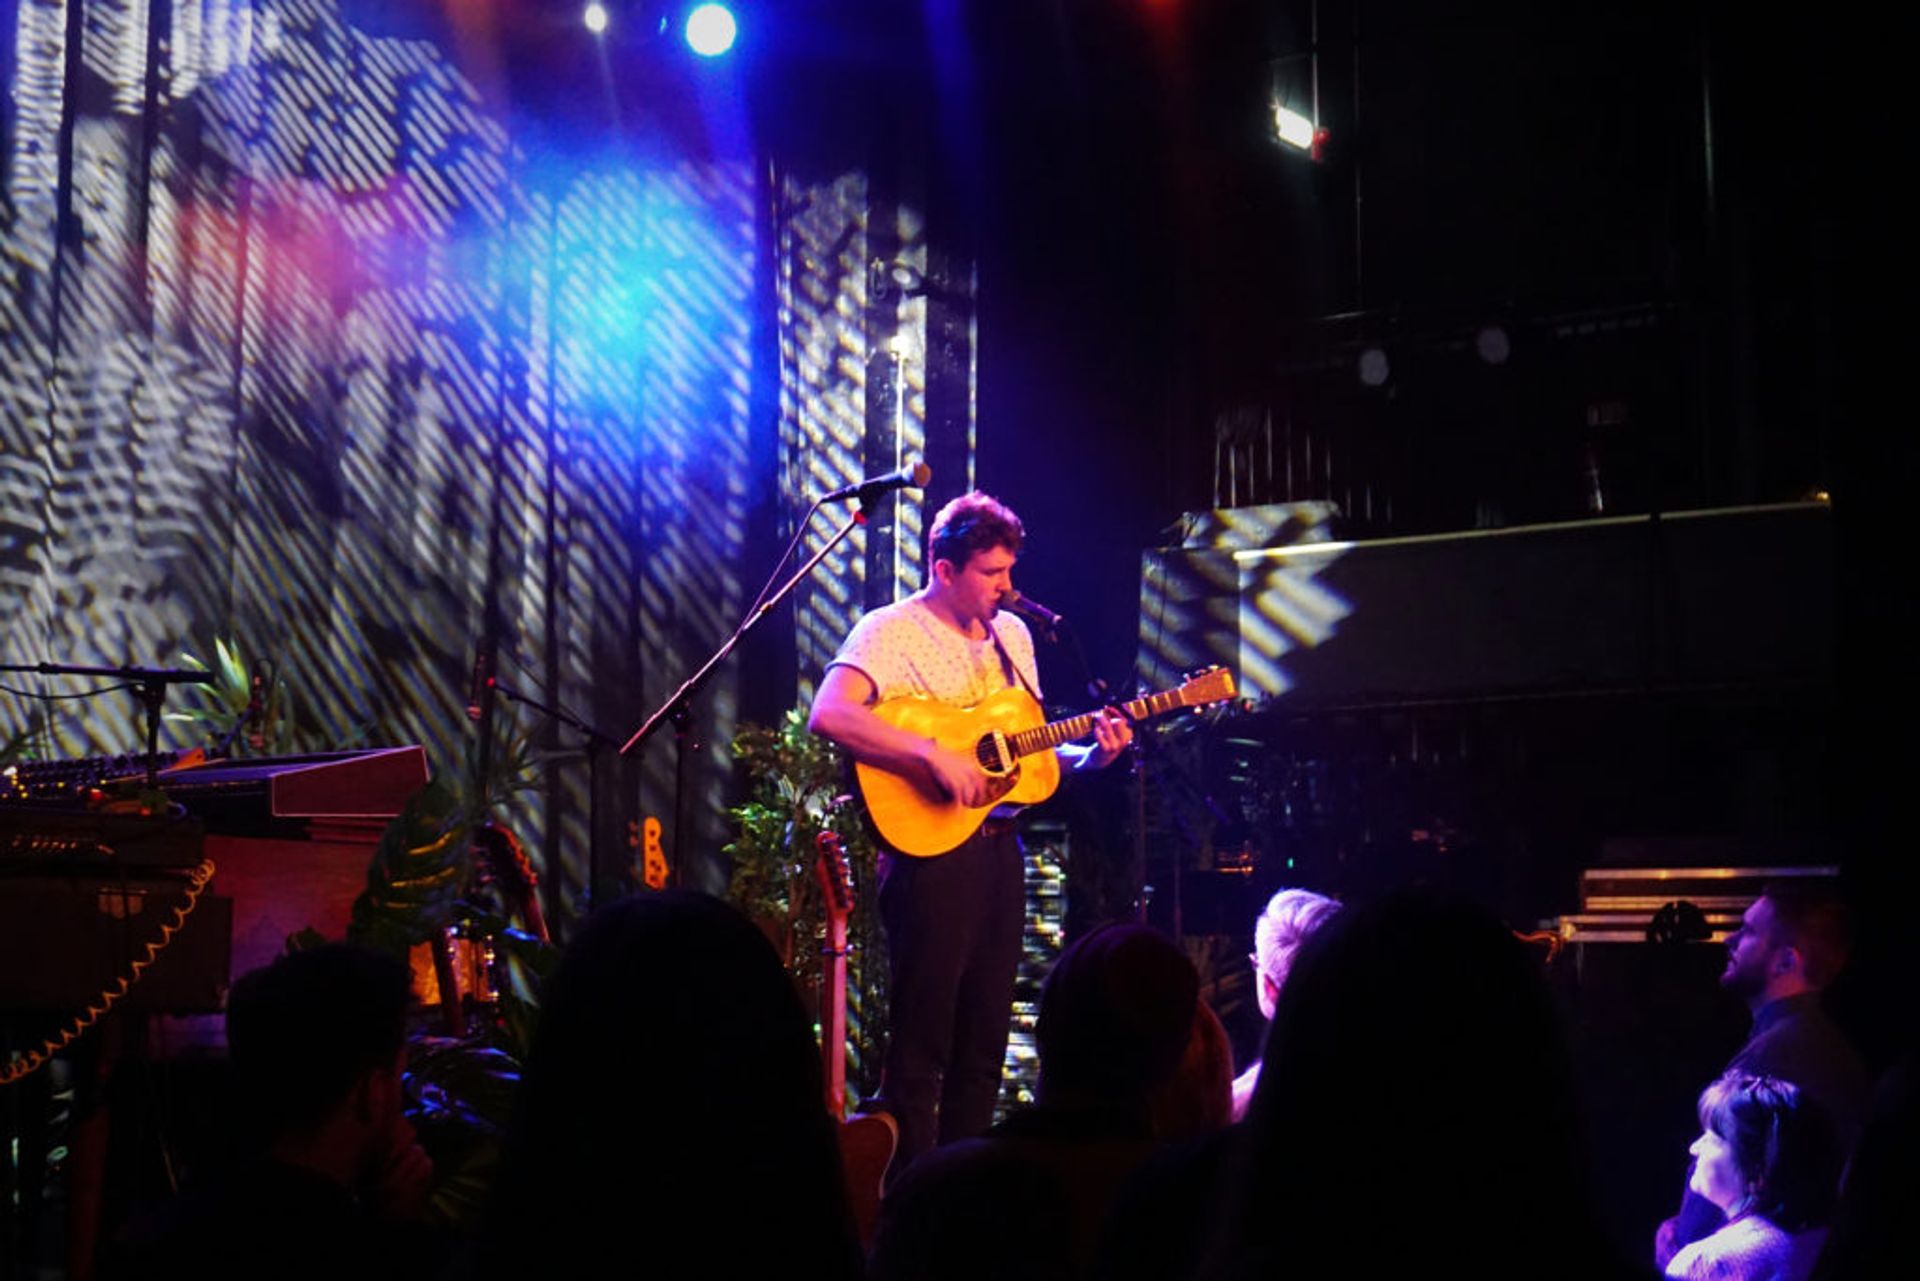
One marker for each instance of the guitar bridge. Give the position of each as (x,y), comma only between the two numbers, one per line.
(995,754)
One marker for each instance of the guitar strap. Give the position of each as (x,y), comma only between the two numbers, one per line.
(1009,668)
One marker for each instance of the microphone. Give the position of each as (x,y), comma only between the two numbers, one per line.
(480,688)
(1031,610)
(914,475)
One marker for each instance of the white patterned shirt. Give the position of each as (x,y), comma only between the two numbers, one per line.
(905,648)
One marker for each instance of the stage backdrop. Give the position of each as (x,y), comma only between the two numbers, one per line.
(310,340)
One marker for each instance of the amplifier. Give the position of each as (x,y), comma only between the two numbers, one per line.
(42,838)
(1618,904)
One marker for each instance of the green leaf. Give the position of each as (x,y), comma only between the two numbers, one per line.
(233,673)
(460,1094)
(795,783)
(15,748)
(416,873)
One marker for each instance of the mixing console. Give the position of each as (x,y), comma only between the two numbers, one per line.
(52,782)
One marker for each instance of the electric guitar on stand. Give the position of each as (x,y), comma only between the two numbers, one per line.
(867,1141)
(1001,732)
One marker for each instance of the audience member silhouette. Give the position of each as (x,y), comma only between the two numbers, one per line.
(671,1116)
(1117,1015)
(1871,1237)
(1416,1113)
(1197,1099)
(317,1041)
(1163,1215)
(1764,1159)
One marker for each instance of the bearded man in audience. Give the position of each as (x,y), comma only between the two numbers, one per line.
(1792,943)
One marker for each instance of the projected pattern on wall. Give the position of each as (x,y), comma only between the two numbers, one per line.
(849,405)
(317,366)
(1242,591)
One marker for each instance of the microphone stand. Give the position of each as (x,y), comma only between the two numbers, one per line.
(596,739)
(153,682)
(1097,689)
(675,709)
(255,709)
(224,743)
(1138,756)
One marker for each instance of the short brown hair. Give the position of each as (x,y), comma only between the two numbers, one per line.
(1810,916)
(971,524)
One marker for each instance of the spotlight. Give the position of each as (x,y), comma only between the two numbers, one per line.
(890,281)
(1299,132)
(595,18)
(711,30)
(1493,345)
(1294,129)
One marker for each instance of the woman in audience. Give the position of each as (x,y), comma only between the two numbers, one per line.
(1290,918)
(672,1118)
(1764,1158)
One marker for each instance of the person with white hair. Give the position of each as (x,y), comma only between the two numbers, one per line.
(1290,918)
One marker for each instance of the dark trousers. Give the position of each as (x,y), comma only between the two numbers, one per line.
(953,943)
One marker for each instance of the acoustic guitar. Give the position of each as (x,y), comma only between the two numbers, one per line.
(867,1140)
(1009,736)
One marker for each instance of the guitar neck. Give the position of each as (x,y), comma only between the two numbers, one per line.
(1044,738)
(833,1035)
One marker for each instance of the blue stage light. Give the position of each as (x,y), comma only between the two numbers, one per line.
(711,30)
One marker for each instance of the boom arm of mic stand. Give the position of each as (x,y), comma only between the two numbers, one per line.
(675,708)
(595,736)
(145,675)
(676,703)
(153,682)
(596,739)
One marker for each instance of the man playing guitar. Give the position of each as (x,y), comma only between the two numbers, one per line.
(953,922)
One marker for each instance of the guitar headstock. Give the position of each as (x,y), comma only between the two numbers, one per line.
(1209,685)
(653,865)
(836,875)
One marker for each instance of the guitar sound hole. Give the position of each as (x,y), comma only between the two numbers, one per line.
(991,751)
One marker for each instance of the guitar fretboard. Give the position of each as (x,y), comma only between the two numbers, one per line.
(1043,738)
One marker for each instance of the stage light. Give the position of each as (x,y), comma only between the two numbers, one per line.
(595,16)
(1493,345)
(892,281)
(1294,129)
(711,30)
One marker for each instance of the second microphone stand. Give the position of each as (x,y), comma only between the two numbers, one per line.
(151,683)
(596,739)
